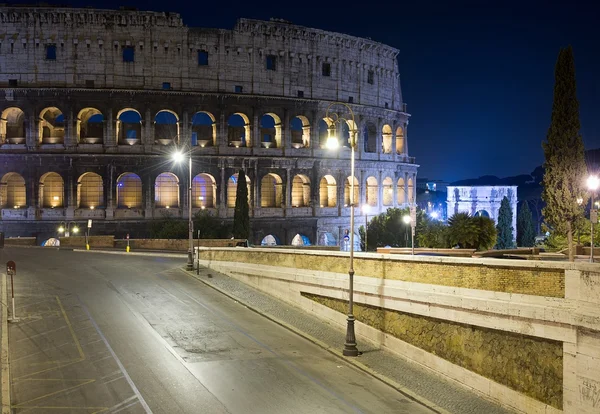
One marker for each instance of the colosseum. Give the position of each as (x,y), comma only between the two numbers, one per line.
(95,102)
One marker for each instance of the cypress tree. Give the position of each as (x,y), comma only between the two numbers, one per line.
(504,227)
(241,214)
(565,168)
(525,231)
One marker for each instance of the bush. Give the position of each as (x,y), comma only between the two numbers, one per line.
(471,232)
(433,234)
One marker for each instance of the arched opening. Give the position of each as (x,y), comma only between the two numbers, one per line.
(12,191)
(388,191)
(270,131)
(300,240)
(232,189)
(271,194)
(372,191)
(52,190)
(204,129)
(129,127)
(166,128)
(166,190)
(411,191)
(400,147)
(401,191)
(12,126)
(300,191)
(238,131)
(328,192)
(386,141)
(370,137)
(52,126)
(204,191)
(324,131)
(90,126)
(300,128)
(270,240)
(347,190)
(90,191)
(129,191)
(343,133)
(482,213)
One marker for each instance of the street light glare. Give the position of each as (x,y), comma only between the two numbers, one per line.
(366,208)
(332,143)
(406,219)
(434,214)
(178,156)
(61,229)
(593,182)
(75,230)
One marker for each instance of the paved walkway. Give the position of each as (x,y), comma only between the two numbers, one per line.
(439,394)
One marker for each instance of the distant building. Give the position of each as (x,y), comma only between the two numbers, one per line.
(482,200)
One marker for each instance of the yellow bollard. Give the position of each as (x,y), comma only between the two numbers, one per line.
(87,247)
(127,250)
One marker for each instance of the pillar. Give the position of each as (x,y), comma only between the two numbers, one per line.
(110,128)
(32,137)
(148,134)
(256,138)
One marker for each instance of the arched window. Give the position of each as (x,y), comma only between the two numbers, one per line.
(372,191)
(51,190)
(400,147)
(238,131)
(204,129)
(52,126)
(401,190)
(12,126)
(166,190)
(166,128)
(129,191)
(300,128)
(411,190)
(232,188)
(90,191)
(129,127)
(12,191)
(90,126)
(388,191)
(386,141)
(370,137)
(271,191)
(204,191)
(300,191)
(328,192)
(270,131)
(347,190)
(323,131)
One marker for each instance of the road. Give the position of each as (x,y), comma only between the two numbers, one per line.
(130,334)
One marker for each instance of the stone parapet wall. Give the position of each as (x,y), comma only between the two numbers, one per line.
(174,244)
(20,241)
(533,352)
(95,241)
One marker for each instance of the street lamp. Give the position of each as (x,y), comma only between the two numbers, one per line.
(65,227)
(366,209)
(350,348)
(179,157)
(406,220)
(592,183)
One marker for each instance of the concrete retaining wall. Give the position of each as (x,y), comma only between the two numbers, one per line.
(523,333)
(20,241)
(95,241)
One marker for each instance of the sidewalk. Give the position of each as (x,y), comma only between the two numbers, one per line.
(409,378)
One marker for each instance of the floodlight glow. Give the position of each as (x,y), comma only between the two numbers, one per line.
(177,156)
(366,209)
(406,219)
(434,214)
(61,229)
(593,182)
(75,230)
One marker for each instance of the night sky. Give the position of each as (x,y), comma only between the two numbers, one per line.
(477,76)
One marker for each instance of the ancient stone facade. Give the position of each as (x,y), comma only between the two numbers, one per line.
(93,104)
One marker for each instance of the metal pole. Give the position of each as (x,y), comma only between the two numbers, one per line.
(12,293)
(366,229)
(592,233)
(198,255)
(190,263)
(412,241)
(350,345)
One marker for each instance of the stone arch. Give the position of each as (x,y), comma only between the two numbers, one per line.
(52,190)
(12,126)
(204,191)
(401,191)
(129,127)
(411,190)
(166,127)
(270,130)
(301,240)
(238,130)
(386,139)
(51,126)
(400,144)
(388,191)
(370,137)
(300,129)
(300,191)
(372,191)
(347,190)
(90,126)
(328,192)
(12,191)
(129,191)
(90,191)
(271,194)
(166,190)
(323,126)
(204,129)
(270,240)
(232,189)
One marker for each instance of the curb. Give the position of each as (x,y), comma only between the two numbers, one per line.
(410,394)
(5,376)
(175,255)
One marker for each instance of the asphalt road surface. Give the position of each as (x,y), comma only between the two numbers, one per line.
(102,333)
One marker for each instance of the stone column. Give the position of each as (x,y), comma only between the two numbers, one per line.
(379,148)
(314,131)
(406,198)
(256,136)
(256,189)
(185,135)
(147,195)
(31,195)
(288,188)
(109,185)
(70,196)
(148,134)
(286,134)
(221,130)
(223,194)
(110,132)
(406,138)
(379,192)
(32,137)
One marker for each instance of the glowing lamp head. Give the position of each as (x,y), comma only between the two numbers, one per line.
(579,200)
(92,207)
(61,229)
(178,156)
(55,198)
(434,214)
(406,219)
(593,182)
(332,141)
(75,230)
(366,209)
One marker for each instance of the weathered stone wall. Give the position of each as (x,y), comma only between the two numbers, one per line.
(20,241)
(94,241)
(173,244)
(532,366)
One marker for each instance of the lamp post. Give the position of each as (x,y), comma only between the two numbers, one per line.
(579,202)
(592,183)
(366,208)
(65,227)
(350,348)
(406,220)
(179,157)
